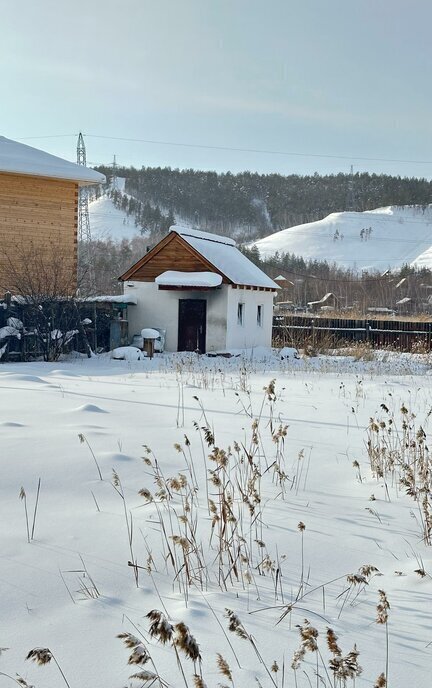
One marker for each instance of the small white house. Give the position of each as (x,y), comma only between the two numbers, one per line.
(203,292)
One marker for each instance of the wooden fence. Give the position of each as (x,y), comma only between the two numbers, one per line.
(403,335)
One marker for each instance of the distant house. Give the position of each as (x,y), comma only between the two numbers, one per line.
(283,282)
(328,301)
(38,210)
(202,292)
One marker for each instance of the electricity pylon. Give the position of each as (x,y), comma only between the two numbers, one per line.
(84,231)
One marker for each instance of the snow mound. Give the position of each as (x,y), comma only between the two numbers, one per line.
(127,353)
(91,408)
(65,373)
(21,377)
(374,240)
(112,457)
(288,352)
(11,424)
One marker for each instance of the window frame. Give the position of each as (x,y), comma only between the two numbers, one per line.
(240,313)
(260,314)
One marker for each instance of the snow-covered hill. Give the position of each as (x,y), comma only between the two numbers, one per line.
(109,222)
(373,240)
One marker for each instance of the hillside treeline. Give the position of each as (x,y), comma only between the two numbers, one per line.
(250,205)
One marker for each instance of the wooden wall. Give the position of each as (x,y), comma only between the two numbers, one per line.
(38,225)
(172,253)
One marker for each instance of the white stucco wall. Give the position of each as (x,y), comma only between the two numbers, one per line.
(250,334)
(159,308)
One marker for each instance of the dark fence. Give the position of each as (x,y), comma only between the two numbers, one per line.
(402,335)
(92,324)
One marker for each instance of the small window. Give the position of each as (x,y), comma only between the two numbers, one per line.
(240,314)
(260,309)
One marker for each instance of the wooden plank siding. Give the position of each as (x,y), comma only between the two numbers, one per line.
(172,253)
(41,215)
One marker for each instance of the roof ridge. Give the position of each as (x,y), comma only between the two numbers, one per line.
(214,241)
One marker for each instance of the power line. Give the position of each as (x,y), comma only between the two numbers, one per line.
(259,151)
(49,136)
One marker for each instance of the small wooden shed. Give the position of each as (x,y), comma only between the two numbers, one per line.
(201,290)
(38,211)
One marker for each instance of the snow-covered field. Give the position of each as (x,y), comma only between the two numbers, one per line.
(70,588)
(391,237)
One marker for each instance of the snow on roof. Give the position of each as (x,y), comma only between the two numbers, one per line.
(150,333)
(223,254)
(174,278)
(130,299)
(323,300)
(198,234)
(18,158)
(403,301)
(285,280)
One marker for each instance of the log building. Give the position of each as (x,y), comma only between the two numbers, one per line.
(38,214)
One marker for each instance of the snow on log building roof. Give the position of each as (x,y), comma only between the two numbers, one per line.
(18,158)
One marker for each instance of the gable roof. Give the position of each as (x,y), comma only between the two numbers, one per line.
(219,252)
(18,158)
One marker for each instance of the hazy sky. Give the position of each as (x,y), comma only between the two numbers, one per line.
(348,78)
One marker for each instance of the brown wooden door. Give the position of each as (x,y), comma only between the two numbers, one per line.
(192,325)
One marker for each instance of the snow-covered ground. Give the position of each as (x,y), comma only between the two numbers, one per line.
(70,589)
(374,240)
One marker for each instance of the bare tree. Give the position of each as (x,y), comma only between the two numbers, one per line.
(43,282)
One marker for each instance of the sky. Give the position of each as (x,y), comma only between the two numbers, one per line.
(316,86)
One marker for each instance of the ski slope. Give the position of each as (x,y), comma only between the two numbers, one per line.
(391,237)
(109,222)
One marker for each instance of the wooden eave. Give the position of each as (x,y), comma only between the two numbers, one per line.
(172,236)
